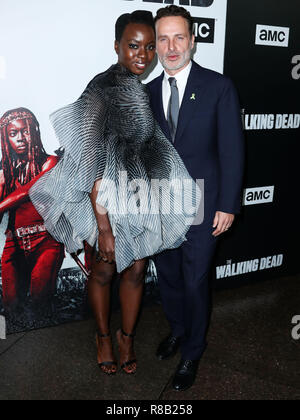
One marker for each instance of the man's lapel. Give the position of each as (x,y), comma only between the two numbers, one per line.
(190,101)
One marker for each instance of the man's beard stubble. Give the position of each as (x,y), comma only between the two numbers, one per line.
(185,58)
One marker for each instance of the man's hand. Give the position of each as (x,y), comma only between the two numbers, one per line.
(222,223)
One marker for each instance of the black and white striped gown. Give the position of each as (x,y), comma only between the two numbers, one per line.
(110,133)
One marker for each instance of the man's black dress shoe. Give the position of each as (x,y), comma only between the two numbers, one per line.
(185,375)
(168,348)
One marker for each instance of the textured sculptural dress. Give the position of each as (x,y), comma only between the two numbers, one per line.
(110,133)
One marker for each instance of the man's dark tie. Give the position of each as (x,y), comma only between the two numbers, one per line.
(173,109)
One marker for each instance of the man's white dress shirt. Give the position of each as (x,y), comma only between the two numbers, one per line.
(182,78)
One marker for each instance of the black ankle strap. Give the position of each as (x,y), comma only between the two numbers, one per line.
(103,335)
(128,335)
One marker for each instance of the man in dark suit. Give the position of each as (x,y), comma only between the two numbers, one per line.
(199,112)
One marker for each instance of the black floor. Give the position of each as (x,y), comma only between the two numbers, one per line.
(251,354)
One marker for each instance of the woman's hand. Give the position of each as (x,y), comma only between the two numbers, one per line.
(106,243)
(106,238)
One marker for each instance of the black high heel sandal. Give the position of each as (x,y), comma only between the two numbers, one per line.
(105,364)
(129,362)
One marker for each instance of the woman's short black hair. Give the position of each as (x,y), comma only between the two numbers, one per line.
(139,16)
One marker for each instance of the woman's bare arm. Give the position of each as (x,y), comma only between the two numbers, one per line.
(22,193)
(106,239)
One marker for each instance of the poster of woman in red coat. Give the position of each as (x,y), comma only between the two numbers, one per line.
(31,258)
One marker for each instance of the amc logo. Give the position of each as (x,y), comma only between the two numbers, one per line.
(204,30)
(272,36)
(258,196)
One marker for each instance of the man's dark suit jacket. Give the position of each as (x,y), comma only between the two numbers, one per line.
(209,138)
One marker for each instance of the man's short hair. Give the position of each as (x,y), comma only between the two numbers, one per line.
(142,17)
(170,11)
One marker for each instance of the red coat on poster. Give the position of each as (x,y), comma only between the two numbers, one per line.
(31,258)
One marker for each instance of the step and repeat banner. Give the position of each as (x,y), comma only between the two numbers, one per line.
(262,56)
(50,50)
